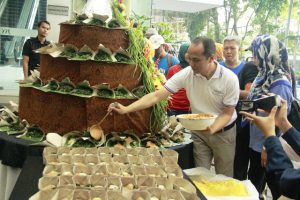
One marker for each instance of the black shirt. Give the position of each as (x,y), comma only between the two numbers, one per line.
(28,50)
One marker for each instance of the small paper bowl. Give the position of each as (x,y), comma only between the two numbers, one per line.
(174,194)
(51,159)
(103,151)
(98,194)
(99,170)
(115,195)
(174,171)
(89,151)
(81,194)
(66,182)
(78,151)
(63,150)
(114,183)
(65,159)
(91,159)
(113,169)
(50,150)
(98,182)
(105,159)
(47,183)
(158,160)
(82,170)
(183,185)
(81,181)
(153,152)
(128,183)
(65,193)
(138,170)
(67,170)
(145,181)
(52,170)
(170,153)
(136,195)
(163,183)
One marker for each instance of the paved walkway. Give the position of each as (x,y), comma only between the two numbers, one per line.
(9,73)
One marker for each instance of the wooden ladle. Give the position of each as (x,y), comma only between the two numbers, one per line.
(96,130)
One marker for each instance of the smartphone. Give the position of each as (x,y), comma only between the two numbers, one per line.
(264,103)
(247,106)
(267,103)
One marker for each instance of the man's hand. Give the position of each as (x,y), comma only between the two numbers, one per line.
(209,130)
(281,120)
(265,124)
(117,107)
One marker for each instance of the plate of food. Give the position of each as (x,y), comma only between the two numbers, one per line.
(198,121)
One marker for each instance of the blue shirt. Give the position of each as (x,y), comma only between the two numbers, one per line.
(256,136)
(235,70)
(163,65)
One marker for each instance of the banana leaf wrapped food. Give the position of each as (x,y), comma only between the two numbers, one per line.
(113,23)
(81,139)
(69,51)
(139,91)
(104,91)
(122,56)
(85,53)
(83,89)
(66,86)
(33,133)
(122,92)
(122,139)
(150,141)
(53,85)
(98,20)
(103,54)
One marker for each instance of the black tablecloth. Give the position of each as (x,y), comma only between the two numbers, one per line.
(20,153)
(185,158)
(13,151)
(27,183)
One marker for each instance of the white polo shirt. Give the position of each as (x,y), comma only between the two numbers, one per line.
(207,96)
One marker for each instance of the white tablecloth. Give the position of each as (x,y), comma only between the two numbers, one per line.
(8,179)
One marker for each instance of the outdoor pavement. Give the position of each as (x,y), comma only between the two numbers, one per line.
(9,73)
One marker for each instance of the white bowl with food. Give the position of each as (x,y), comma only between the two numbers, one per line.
(198,121)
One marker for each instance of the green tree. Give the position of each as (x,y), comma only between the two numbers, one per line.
(196,22)
(166,31)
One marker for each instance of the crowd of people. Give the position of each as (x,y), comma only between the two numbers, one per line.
(210,77)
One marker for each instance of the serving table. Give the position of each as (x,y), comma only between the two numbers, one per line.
(22,166)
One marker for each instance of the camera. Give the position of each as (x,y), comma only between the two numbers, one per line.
(264,103)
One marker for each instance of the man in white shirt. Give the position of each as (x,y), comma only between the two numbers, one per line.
(210,89)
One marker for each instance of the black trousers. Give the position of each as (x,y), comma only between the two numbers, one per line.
(241,159)
(256,172)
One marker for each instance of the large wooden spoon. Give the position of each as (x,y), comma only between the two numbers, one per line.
(96,130)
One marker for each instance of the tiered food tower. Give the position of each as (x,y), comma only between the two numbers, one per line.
(60,113)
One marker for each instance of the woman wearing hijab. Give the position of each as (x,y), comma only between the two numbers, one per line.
(271,58)
(179,103)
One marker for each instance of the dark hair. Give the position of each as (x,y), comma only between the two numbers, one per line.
(43,21)
(208,45)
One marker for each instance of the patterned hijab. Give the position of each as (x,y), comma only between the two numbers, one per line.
(181,55)
(272,65)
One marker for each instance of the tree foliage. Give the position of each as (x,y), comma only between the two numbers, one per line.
(245,18)
(196,22)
